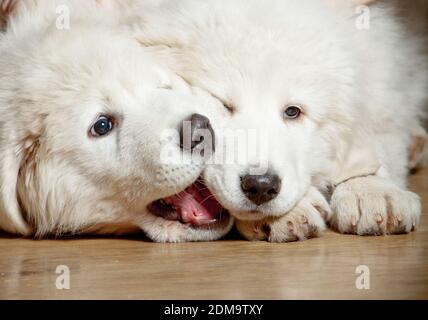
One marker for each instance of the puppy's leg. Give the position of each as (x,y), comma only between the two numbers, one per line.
(305,221)
(373,206)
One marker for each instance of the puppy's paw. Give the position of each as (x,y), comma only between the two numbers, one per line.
(373,206)
(305,221)
(162,230)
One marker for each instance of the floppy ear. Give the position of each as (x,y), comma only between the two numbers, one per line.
(358,160)
(11,216)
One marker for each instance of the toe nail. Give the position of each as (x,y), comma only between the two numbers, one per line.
(353,221)
(379,219)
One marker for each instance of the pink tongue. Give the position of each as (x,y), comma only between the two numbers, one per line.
(196,205)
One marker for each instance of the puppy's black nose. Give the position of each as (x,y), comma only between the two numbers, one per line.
(261,189)
(194,131)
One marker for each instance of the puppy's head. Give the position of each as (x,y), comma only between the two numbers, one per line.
(287,81)
(88,137)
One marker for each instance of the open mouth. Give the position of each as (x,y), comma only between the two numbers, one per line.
(195,206)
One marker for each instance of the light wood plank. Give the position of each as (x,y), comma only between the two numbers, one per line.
(133,268)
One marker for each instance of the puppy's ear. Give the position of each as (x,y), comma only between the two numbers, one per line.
(11,157)
(357,160)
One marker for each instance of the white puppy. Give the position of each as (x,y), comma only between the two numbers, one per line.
(337,103)
(84,115)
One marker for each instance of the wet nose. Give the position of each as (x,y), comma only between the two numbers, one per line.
(195,130)
(261,188)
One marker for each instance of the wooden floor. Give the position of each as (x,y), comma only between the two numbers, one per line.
(135,268)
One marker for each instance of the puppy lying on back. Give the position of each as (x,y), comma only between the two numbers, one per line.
(84,115)
(338,105)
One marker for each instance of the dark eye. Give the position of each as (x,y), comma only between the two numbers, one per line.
(102,126)
(292,112)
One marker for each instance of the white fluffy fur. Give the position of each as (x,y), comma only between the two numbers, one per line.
(54,177)
(362,92)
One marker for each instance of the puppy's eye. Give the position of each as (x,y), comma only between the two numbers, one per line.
(292,112)
(102,126)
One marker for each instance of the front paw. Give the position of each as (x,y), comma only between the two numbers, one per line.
(305,221)
(373,206)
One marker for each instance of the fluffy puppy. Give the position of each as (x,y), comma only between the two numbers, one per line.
(87,140)
(336,102)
